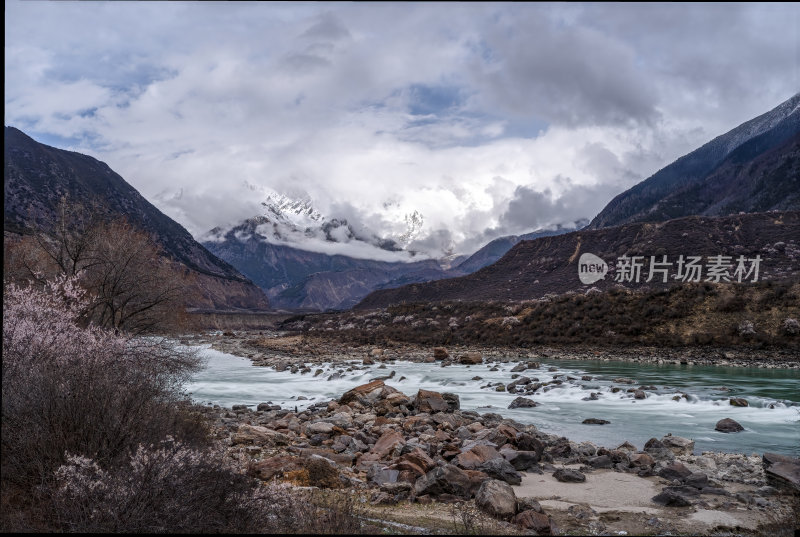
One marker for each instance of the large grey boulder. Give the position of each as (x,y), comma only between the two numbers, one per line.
(496,498)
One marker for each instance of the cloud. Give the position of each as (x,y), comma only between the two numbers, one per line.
(472,114)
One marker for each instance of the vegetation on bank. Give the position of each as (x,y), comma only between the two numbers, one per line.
(97,435)
(759,315)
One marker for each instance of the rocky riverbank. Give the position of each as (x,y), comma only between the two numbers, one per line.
(410,450)
(276,349)
(409,454)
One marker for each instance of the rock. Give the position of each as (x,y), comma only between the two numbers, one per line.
(782,471)
(671,498)
(532,520)
(601,461)
(527,442)
(624,380)
(452,400)
(639,394)
(471,358)
(258,435)
(447,479)
(380,474)
(501,469)
(728,425)
(319,427)
(675,470)
(387,443)
(595,421)
(430,402)
(272,467)
(496,498)
(641,460)
(522,402)
(568,475)
(521,460)
(678,444)
(739,401)
(440,353)
(519,367)
(698,480)
(360,393)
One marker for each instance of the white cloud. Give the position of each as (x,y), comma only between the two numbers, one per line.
(464,112)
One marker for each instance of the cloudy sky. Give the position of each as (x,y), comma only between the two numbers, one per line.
(488,119)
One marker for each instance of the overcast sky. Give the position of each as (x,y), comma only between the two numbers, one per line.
(489,119)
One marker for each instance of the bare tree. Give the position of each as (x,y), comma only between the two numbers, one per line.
(132,286)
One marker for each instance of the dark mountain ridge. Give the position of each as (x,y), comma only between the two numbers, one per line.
(672,191)
(36,176)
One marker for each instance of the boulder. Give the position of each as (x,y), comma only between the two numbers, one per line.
(595,421)
(728,425)
(641,460)
(522,402)
(501,469)
(361,393)
(471,358)
(527,442)
(533,520)
(521,460)
(430,402)
(670,497)
(387,443)
(568,475)
(674,470)
(496,498)
(447,479)
(452,400)
(440,353)
(739,401)
(678,444)
(274,467)
(258,435)
(782,471)
(601,461)
(319,427)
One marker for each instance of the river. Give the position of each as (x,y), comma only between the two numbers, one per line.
(771,422)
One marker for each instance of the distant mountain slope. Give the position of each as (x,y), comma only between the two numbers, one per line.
(716,179)
(549,265)
(294,278)
(35,176)
(498,248)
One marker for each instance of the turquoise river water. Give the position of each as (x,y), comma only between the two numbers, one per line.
(771,422)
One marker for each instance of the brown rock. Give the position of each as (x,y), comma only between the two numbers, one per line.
(430,402)
(386,443)
(531,520)
(471,358)
(359,392)
(641,460)
(274,467)
(739,401)
(440,353)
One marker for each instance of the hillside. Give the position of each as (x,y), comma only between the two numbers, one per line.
(549,265)
(750,168)
(36,176)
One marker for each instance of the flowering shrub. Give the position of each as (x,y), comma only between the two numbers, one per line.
(80,390)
